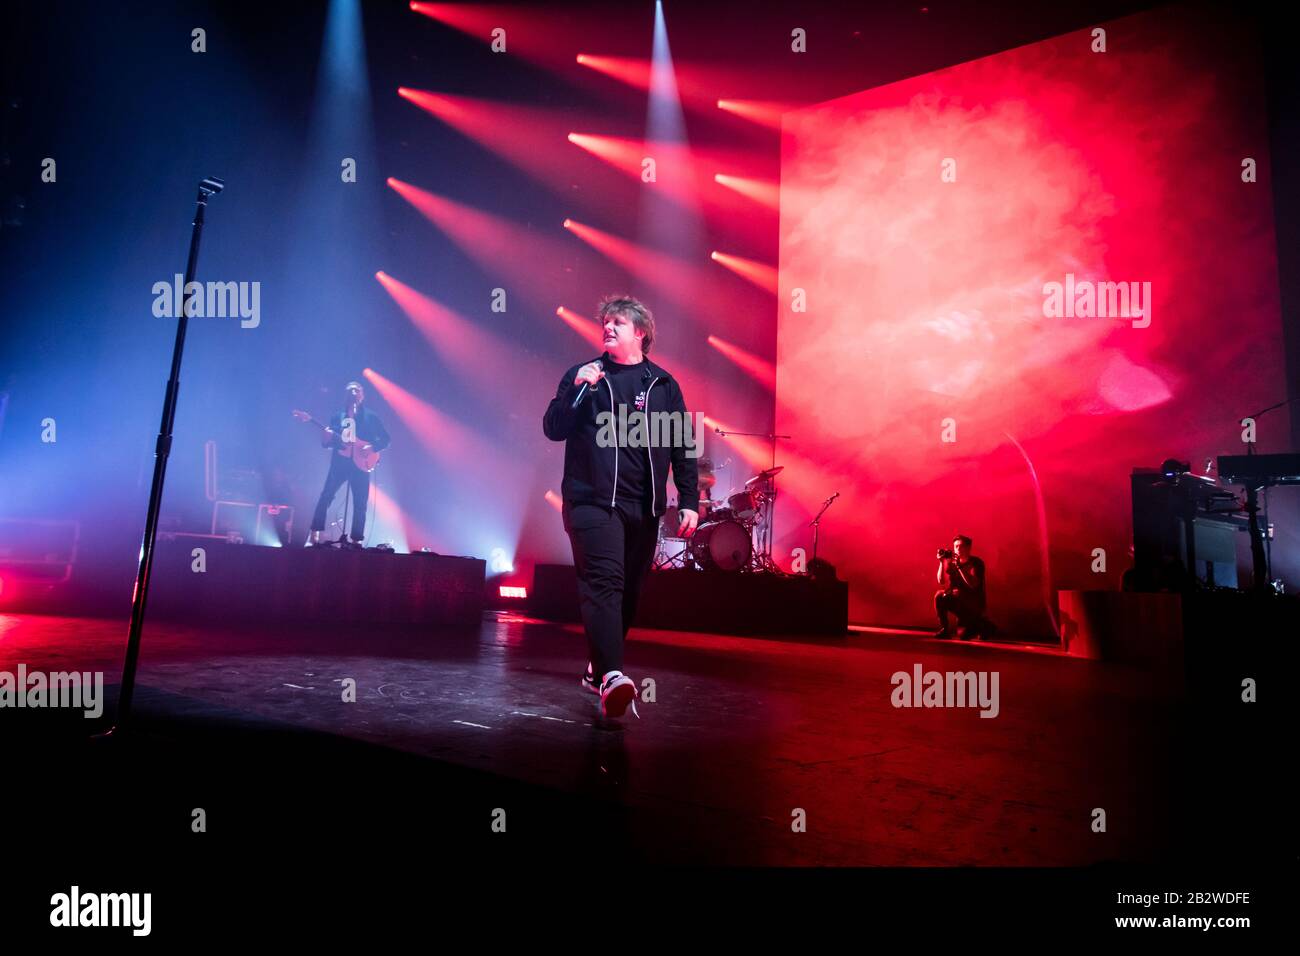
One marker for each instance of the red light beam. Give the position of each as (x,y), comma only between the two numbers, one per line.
(494,242)
(453,336)
(585,327)
(762,191)
(763,112)
(533,33)
(530,138)
(759,369)
(756,452)
(634,72)
(676,279)
(759,273)
(443,437)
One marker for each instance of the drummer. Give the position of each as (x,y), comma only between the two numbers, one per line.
(706,482)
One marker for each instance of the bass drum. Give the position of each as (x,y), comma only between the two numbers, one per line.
(721,546)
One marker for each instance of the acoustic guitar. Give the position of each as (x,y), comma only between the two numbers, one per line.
(363,455)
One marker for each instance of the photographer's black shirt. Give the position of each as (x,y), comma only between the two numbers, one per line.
(974,569)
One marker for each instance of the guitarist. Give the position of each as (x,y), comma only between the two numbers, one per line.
(355,423)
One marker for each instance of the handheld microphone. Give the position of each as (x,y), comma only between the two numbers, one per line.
(582,392)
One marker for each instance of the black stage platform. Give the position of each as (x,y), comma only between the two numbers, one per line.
(242,581)
(721,602)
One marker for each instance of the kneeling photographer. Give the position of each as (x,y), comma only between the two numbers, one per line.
(961,590)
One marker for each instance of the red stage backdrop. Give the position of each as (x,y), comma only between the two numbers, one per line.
(929,371)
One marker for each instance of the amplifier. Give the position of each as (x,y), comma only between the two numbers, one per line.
(266,524)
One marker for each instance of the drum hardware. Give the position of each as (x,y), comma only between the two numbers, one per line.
(762,488)
(670,551)
(734,534)
(765,476)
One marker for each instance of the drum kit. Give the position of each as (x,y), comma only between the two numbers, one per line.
(734,533)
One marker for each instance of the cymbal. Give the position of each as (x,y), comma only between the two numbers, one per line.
(765,475)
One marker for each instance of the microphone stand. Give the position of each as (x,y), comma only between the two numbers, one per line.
(1250,446)
(209,187)
(1261,545)
(815,524)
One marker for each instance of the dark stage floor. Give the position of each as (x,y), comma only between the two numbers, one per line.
(446,728)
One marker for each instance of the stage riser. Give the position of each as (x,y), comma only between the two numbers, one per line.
(718,602)
(317,584)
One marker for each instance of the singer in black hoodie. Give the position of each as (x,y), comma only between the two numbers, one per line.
(614,492)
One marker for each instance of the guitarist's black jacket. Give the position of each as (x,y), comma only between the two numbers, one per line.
(369,429)
(590,471)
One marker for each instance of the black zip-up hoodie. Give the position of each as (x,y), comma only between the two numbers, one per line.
(589,470)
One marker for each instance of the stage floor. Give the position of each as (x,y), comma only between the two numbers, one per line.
(743,732)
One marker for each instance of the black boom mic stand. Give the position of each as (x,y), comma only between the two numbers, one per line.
(209,187)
